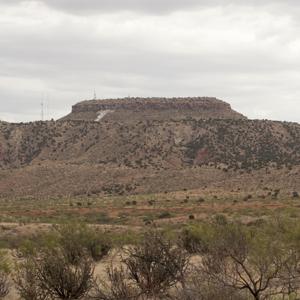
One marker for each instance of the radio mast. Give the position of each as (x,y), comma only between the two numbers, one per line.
(42,110)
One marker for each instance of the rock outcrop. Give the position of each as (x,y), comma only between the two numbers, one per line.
(154,109)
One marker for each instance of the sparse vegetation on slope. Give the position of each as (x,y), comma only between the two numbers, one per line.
(85,151)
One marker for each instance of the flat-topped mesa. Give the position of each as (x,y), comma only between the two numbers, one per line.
(152,109)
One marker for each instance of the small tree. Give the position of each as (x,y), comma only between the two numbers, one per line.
(244,260)
(156,264)
(148,270)
(290,273)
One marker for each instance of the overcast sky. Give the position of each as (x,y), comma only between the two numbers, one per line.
(244,52)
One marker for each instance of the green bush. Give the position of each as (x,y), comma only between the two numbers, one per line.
(195,238)
(77,239)
(164,215)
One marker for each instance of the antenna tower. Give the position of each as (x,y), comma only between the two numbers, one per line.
(42,110)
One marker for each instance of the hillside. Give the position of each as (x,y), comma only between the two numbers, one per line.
(236,144)
(75,157)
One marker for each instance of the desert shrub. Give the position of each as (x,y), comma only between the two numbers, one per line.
(63,280)
(32,245)
(60,265)
(151,202)
(4,272)
(164,215)
(248,197)
(156,264)
(50,275)
(74,238)
(220,219)
(195,238)
(148,270)
(78,239)
(27,282)
(262,261)
(247,259)
(115,287)
(4,285)
(201,200)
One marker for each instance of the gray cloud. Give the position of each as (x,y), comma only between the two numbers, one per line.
(60,52)
(101,6)
(148,6)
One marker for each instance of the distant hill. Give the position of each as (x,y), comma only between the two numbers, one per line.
(185,143)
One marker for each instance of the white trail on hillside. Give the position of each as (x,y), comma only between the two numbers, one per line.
(102,114)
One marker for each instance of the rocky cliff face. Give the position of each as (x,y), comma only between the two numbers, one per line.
(153,109)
